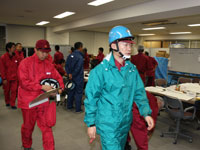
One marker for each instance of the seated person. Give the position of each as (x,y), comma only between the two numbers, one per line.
(59,67)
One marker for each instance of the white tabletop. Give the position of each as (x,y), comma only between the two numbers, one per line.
(188,92)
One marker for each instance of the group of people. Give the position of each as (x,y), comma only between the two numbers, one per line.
(115,102)
(9,63)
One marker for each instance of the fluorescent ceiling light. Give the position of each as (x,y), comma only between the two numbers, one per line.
(146,34)
(193,25)
(180,32)
(99,2)
(63,15)
(156,28)
(42,23)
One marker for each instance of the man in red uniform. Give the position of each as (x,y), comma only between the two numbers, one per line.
(100,56)
(31,71)
(141,62)
(9,75)
(86,59)
(151,73)
(138,127)
(18,52)
(58,55)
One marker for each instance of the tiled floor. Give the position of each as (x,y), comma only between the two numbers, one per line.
(70,132)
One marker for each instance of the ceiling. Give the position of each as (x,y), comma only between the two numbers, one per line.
(30,12)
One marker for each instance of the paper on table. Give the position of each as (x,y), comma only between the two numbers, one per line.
(155,89)
(178,95)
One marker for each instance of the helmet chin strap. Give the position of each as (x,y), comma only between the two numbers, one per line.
(125,57)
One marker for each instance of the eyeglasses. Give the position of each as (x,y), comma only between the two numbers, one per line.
(125,44)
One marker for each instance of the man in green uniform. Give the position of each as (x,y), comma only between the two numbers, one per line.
(112,88)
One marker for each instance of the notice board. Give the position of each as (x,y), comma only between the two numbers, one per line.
(185,60)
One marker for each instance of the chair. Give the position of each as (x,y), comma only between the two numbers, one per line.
(174,107)
(196,80)
(161,82)
(184,80)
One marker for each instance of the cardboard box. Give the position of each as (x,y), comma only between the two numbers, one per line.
(160,54)
(167,55)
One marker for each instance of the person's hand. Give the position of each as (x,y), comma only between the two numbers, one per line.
(4,82)
(92,133)
(70,76)
(60,91)
(46,87)
(150,122)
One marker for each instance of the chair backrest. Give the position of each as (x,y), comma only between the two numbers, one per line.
(161,82)
(184,80)
(174,107)
(196,80)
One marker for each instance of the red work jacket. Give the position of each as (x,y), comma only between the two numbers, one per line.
(1,66)
(86,61)
(49,58)
(30,72)
(9,67)
(153,63)
(19,55)
(100,57)
(60,69)
(57,57)
(141,61)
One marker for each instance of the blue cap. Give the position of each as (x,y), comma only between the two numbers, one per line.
(119,32)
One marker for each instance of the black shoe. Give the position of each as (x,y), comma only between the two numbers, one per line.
(28,148)
(79,112)
(7,105)
(13,107)
(127,147)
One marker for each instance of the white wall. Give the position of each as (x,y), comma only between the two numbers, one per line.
(57,38)
(27,35)
(91,40)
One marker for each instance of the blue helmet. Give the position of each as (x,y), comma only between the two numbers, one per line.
(119,32)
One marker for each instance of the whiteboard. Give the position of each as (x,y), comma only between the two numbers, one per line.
(185,60)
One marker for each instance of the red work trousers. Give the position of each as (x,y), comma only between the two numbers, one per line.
(30,116)
(139,130)
(10,92)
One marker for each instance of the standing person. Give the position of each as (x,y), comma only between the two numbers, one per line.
(71,50)
(31,71)
(141,62)
(100,56)
(86,59)
(19,53)
(112,88)
(151,73)
(58,55)
(74,69)
(138,128)
(9,75)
